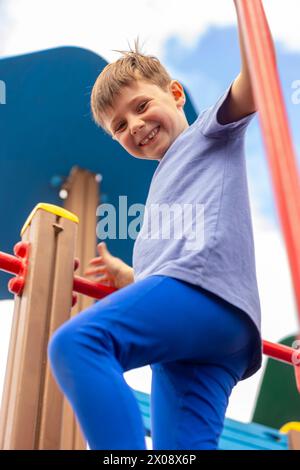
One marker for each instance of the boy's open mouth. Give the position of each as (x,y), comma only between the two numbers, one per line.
(150,137)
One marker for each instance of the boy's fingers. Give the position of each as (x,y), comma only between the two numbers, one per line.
(99,247)
(99,270)
(98,279)
(102,249)
(95,266)
(95,260)
(105,282)
(101,278)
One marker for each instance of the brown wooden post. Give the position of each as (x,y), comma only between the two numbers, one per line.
(83,199)
(31,412)
(294,439)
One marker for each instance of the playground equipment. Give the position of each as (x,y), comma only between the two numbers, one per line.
(33,412)
(34,415)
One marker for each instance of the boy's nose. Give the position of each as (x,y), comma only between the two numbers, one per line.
(136,127)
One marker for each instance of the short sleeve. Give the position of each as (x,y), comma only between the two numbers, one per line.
(210,126)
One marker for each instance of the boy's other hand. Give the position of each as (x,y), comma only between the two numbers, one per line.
(108,269)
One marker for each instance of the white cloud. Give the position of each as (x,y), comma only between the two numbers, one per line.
(279,317)
(102,26)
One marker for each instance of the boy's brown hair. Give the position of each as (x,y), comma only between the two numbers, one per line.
(134,65)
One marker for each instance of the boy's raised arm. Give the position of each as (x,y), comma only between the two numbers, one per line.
(240,102)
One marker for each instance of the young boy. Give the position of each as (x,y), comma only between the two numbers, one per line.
(189,308)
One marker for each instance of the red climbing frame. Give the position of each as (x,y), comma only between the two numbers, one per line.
(275,129)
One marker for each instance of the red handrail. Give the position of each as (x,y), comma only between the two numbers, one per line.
(281,352)
(90,288)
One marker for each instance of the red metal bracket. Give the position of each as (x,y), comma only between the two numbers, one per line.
(17,283)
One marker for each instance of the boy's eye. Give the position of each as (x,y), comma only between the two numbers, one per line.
(142,106)
(119,127)
(139,108)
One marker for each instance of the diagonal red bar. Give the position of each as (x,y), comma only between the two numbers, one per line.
(275,129)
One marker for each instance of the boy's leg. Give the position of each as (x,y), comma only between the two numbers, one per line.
(189,401)
(156,320)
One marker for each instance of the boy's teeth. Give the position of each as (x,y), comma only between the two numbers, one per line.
(150,136)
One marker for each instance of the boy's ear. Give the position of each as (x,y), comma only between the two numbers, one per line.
(178,92)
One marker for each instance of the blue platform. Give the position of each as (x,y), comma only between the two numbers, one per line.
(235,435)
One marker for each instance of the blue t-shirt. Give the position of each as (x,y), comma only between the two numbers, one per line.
(204,172)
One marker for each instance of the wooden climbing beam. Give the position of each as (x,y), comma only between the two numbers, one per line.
(32,405)
(82,199)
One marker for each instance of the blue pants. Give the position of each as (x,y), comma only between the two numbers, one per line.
(197,344)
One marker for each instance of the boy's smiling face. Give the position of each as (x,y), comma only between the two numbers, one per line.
(143,110)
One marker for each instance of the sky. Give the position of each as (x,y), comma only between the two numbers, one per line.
(197,41)
(35,24)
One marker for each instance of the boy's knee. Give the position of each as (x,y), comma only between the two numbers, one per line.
(60,345)
(70,343)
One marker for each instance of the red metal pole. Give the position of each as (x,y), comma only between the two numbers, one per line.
(284,354)
(10,263)
(90,288)
(275,129)
(280,352)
